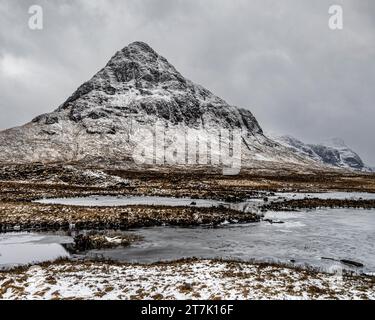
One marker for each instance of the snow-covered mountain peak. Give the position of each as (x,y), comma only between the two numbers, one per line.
(135,91)
(139,83)
(139,62)
(333,152)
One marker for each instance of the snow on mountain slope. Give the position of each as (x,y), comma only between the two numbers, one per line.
(333,152)
(138,89)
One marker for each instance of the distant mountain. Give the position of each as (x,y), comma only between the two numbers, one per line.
(100,122)
(333,152)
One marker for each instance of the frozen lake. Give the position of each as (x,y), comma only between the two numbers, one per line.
(18,248)
(170,201)
(304,238)
(108,201)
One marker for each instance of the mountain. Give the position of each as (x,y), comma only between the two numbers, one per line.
(103,120)
(333,152)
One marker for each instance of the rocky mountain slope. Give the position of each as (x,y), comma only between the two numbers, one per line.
(333,152)
(104,119)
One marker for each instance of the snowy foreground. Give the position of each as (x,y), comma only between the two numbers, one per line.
(190,279)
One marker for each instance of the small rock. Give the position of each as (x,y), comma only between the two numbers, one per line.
(35,269)
(351,263)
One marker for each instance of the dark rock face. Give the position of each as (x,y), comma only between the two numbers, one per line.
(338,156)
(328,155)
(159,90)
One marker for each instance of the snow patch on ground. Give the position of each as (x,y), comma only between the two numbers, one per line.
(196,279)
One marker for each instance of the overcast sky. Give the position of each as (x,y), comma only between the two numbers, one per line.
(277,58)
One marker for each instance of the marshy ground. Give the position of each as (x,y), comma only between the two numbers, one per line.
(20,185)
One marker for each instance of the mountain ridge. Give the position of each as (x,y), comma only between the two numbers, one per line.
(333,152)
(137,89)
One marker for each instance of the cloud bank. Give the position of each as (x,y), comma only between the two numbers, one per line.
(277,58)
